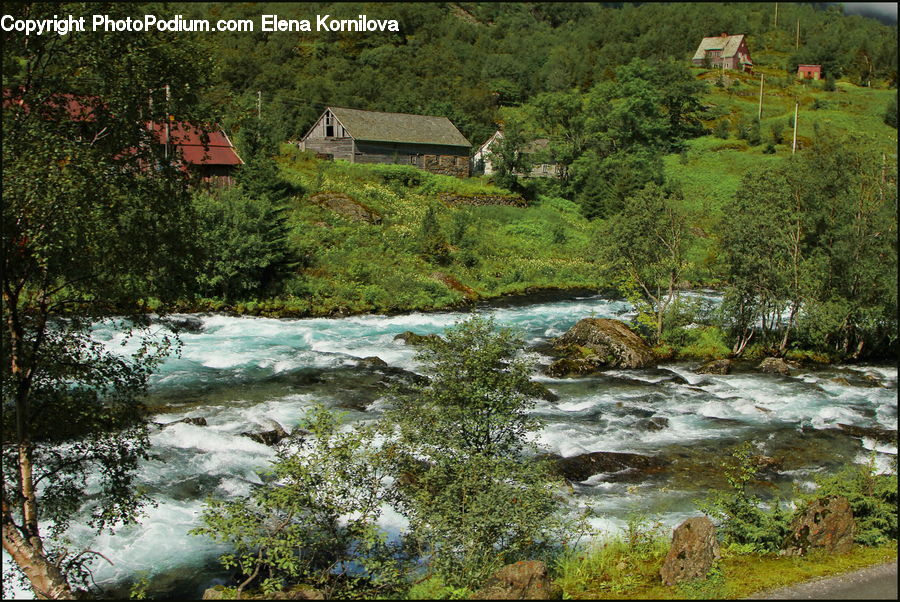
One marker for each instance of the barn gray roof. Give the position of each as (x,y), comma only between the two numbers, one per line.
(376,126)
(727,44)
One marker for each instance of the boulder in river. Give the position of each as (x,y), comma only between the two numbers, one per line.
(826,523)
(693,551)
(873,432)
(581,467)
(597,343)
(269,437)
(539,390)
(654,423)
(776,365)
(371,362)
(411,338)
(715,367)
(524,580)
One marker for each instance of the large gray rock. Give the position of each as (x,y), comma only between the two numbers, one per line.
(693,551)
(776,365)
(525,580)
(825,523)
(715,367)
(597,343)
(583,466)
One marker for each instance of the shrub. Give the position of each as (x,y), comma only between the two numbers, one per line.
(473,501)
(313,519)
(741,517)
(872,497)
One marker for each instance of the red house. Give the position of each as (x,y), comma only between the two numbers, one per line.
(206,151)
(809,71)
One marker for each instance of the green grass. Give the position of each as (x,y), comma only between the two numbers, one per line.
(352,266)
(613,570)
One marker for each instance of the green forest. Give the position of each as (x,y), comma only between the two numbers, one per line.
(779,194)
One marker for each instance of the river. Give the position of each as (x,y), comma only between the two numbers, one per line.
(243,374)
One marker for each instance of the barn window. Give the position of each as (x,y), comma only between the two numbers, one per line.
(329,126)
(412,160)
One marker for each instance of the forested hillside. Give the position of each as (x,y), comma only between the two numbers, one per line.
(466,60)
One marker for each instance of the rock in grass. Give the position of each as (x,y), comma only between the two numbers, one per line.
(525,580)
(826,523)
(693,551)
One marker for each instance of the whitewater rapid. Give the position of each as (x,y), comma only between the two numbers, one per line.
(248,374)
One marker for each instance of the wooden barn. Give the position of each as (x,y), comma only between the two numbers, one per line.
(430,143)
(724,52)
(809,71)
(481,160)
(206,152)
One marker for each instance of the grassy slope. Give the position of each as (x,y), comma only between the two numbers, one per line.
(354,267)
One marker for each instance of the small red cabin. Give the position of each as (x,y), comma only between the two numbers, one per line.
(809,71)
(208,152)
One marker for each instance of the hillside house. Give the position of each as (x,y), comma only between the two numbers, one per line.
(724,52)
(481,161)
(427,142)
(809,72)
(206,152)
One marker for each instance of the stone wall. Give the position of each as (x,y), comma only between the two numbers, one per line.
(448,165)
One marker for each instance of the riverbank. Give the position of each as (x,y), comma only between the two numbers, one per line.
(737,576)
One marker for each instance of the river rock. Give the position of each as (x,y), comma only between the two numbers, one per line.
(654,423)
(582,467)
(597,343)
(371,362)
(539,390)
(270,437)
(693,551)
(715,367)
(198,421)
(411,338)
(776,365)
(182,323)
(873,432)
(524,580)
(826,523)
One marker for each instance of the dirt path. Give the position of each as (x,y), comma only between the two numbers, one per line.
(877,582)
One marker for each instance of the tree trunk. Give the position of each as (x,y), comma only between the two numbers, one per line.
(47,581)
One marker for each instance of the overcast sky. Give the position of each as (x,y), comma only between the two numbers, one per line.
(886,12)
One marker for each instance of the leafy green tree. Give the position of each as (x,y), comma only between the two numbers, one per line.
(244,244)
(88,231)
(508,156)
(432,242)
(313,519)
(755,241)
(473,497)
(644,246)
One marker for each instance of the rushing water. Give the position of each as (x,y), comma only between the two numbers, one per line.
(243,374)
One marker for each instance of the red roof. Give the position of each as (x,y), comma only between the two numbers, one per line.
(217,150)
(809,68)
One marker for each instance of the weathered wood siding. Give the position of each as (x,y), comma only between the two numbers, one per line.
(451,160)
(338,148)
